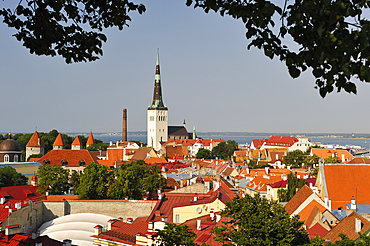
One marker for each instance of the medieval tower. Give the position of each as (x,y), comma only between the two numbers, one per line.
(157,114)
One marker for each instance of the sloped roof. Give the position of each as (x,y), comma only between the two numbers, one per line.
(90,140)
(58,141)
(283,141)
(343,181)
(141,153)
(257,143)
(347,227)
(155,160)
(298,199)
(317,229)
(35,141)
(359,160)
(76,141)
(325,153)
(124,232)
(71,156)
(177,131)
(15,194)
(164,206)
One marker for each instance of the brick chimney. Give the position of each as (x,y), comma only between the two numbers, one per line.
(124,128)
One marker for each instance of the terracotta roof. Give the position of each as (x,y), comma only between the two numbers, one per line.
(325,153)
(308,213)
(124,232)
(90,140)
(346,180)
(58,141)
(317,229)
(74,158)
(347,227)
(164,206)
(155,160)
(283,141)
(141,154)
(76,141)
(298,199)
(359,160)
(35,141)
(205,234)
(257,143)
(16,194)
(61,197)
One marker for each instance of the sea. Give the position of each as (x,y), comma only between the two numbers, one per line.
(363,142)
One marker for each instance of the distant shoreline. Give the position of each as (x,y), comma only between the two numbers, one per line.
(232,134)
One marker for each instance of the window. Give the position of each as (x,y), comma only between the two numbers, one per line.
(177,220)
(6,158)
(151,118)
(16,158)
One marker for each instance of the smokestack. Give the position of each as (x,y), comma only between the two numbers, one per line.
(124,130)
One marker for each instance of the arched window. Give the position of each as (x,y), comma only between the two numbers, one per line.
(16,158)
(6,158)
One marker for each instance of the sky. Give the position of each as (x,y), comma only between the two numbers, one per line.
(208,78)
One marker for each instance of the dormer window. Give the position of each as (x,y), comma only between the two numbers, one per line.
(46,161)
(64,162)
(81,163)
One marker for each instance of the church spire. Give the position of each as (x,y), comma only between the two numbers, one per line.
(157,97)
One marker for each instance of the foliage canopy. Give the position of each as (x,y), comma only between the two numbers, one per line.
(53,179)
(258,221)
(71,29)
(10,177)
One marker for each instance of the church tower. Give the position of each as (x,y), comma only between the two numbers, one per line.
(157,115)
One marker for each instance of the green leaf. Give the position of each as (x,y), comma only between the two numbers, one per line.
(294,72)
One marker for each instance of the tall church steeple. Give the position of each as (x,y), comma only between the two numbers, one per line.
(157,114)
(157,97)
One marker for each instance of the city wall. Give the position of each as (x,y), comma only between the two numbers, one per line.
(114,208)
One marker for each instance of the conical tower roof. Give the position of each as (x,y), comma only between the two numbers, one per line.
(90,140)
(76,141)
(157,97)
(59,141)
(35,141)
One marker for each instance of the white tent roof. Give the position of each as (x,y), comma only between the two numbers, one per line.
(77,227)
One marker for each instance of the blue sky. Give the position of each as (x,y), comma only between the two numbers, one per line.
(208,77)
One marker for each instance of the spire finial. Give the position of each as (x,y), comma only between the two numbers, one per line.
(157,97)
(10,134)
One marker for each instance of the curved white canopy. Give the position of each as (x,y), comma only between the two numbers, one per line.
(77,227)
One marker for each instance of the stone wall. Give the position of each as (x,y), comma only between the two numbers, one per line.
(29,217)
(114,208)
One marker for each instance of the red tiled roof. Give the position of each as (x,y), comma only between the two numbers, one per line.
(156,160)
(284,141)
(325,153)
(73,157)
(317,229)
(359,160)
(347,227)
(298,199)
(58,141)
(257,143)
(16,194)
(346,180)
(90,140)
(164,207)
(35,141)
(76,141)
(124,232)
